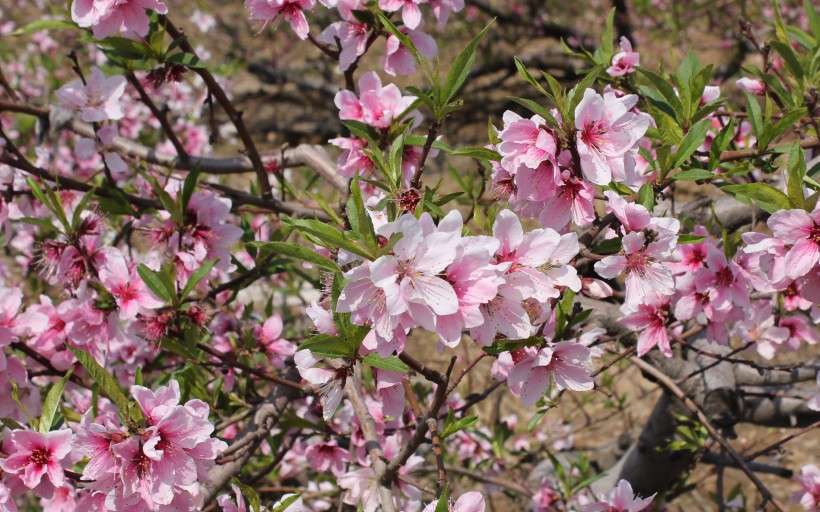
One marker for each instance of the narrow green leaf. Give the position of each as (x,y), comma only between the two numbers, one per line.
(39,25)
(536,108)
(189,185)
(768,197)
(458,425)
(690,239)
(577,93)
(609,246)
(186,59)
(693,175)
(52,402)
(331,236)
(691,141)
(461,66)
(522,70)
(646,196)
(389,363)
(107,383)
(755,115)
(198,275)
(155,283)
(796,171)
(297,251)
(327,346)
(480,153)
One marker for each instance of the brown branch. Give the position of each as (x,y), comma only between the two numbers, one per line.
(161,116)
(234,115)
(670,385)
(377,458)
(422,427)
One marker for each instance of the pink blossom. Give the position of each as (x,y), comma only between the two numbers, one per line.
(624,62)
(36,455)
(226,503)
(467,502)
(351,35)
(410,15)
(751,85)
(607,130)
(399,60)
(376,106)
(649,321)
(809,496)
(536,368)
(361,487)
(328,382)
(97,100)
(443,8)
(291,11)
(620,499)
(645,274)
(63,500)
(107,17)
(88,148)
(276,348)
(7,503)
(802,231)
(418,258)
(528,141)
(327,456)
(126,286)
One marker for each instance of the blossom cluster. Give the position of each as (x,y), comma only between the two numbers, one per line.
(158,466)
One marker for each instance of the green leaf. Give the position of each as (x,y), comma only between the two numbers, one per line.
(332,237)
(460,424)
(250,494)
(297,251)
(577,93)
(721,142)
(522,70)
(690,239)
(609,246)
(186,59)
(357,208)
(43,223)
(443,504)
(768,197)
(480,153)
(461,66)
(389,363)
(325,345)
(76,218)
(501,346)
(52,402)
(796,171)
(785,50)
(755,115)
(155,283)
(189,185)
(789,120)
(286,502)
(39,25)
(690,143)
(360,129)
(646,196)
(666,91)
(814,18)
(107,383)
(536,108)
(693,175)
(198,275)
(127,48)
(779,26)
